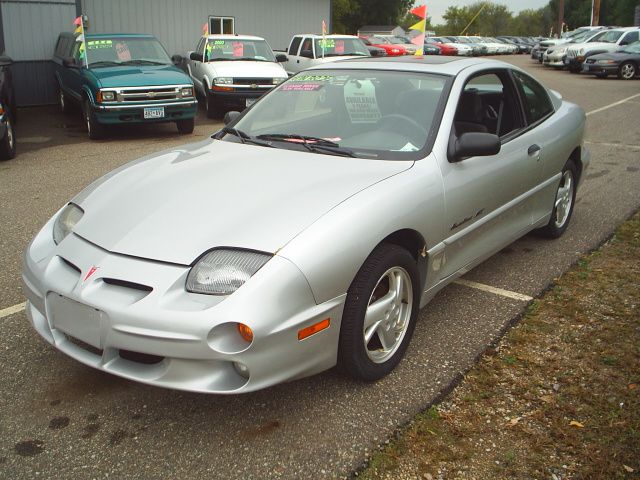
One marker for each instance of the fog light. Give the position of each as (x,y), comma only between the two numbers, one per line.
(241,369)
(245,332)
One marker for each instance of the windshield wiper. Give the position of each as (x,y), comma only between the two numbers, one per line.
(104,63)
(245,137)
(313,144)
(143,62)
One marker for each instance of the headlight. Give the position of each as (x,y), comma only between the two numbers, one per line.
(65,222)
(222,81)
(223,271)
(186,92)
(278,80)
(106,96)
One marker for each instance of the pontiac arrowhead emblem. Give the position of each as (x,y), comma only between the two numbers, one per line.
(91,271)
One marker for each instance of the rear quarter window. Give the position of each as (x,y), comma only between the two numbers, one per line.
(295,43)
(537,104)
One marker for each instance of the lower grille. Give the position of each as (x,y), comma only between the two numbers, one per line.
(138,357)
(85,346)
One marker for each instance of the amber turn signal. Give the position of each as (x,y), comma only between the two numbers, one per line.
(315,328)
(245,332)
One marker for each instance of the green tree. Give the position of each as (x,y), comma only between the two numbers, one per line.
(350,15)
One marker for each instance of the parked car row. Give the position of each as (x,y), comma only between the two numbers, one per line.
(601,51)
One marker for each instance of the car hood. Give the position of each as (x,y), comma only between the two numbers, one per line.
(140,76)
(175,205)
(246,69)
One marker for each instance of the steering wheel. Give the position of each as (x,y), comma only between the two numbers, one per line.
(403,124)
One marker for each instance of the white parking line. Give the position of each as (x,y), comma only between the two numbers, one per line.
(494,290)
(613,104)
(5,312)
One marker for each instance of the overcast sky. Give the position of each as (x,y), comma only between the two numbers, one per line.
(436,8)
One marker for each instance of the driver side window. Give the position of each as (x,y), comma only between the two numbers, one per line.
(487,105)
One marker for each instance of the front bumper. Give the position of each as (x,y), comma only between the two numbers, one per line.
(599,69)
(554,59)
(238,98)
(165,336)
(116,113)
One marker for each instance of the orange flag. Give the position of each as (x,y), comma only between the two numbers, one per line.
(420,11)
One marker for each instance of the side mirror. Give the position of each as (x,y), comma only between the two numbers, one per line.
(196,56)
(5,61)
(177,60)
(230,117)
(306,53)
(69,62)
(281,57)
(474,144)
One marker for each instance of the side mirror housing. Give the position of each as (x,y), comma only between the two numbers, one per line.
(196,56)
(306,53)
(5,61)
(69,62)
(474,144)
(177,60)
(281,57)
(230,117)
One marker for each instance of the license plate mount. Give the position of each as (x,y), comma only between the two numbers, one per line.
(76,319)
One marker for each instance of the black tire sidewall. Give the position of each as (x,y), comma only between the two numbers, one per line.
(97,129)
(8,151)
(352,357)
(186,126)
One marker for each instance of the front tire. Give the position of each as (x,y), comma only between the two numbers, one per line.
(627,71)
(563,204)
(186,126)
(95,129)
(8,143)
(214,110)
(380,314)
(63,101)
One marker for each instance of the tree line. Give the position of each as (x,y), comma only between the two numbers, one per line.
(494,19)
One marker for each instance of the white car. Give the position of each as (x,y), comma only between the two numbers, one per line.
(232,71)
(606,42)
(556,56)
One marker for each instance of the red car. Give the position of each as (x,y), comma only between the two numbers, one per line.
(445,49)
(392,49)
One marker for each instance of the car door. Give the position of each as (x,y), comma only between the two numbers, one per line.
(73,76)
(487,198)
(196,67)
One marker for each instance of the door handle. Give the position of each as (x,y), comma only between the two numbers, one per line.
(534,150)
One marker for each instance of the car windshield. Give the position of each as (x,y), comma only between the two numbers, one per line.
(611,36)
(104,51)
(632,48)
(335,47)
(238,49)
(373,114)
(399,41)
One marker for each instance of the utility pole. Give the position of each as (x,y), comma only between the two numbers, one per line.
(595,13)
(560,17)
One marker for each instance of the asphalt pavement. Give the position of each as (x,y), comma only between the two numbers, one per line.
(60,419)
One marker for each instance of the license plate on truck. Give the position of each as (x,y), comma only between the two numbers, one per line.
(154,112)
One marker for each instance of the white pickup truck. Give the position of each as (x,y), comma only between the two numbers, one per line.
(307,50)
(232,71)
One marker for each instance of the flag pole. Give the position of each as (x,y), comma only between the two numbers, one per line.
(86,44)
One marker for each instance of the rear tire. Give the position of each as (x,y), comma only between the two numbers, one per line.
(627,71)
(564,201)
(8,143)
(95,129)
(380,314)
(186,126)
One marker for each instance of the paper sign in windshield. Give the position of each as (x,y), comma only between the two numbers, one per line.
(123,52)
(339,46)
(238,49)
(361,103)
(301,87)
(99,44)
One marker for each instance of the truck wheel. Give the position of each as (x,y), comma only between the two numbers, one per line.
(213,108)
(8,143)
(95,129)
(185,127)
(63,101)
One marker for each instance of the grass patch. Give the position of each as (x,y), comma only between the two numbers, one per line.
(558,398)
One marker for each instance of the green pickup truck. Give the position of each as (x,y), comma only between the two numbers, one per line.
(122,78)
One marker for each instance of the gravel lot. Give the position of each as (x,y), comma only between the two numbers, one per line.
(61,419)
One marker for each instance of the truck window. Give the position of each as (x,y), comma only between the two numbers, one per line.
(295,43)
(307,45)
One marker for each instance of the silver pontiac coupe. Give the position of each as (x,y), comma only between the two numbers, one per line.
(309,231)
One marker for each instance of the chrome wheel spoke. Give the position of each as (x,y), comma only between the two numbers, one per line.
(377,310)
(387,338)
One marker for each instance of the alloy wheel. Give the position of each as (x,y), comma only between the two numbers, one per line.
(388,315)
(564,199)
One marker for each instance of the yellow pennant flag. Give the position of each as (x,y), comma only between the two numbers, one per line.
(78,31)
(419,26)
